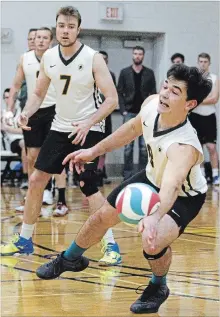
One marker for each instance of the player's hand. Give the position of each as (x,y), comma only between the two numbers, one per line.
(79,159)
(148,226)
(81,130)
(22,121)
(8,118)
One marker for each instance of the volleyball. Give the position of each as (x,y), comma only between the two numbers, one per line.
(136,201)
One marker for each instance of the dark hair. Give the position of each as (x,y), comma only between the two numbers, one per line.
(6,90)
(44,28)
(32,30)
(205,55)
(103,53)
(176,55)
(198,87)
(139,48)
(70,11)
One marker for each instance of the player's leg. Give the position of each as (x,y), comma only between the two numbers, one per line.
(170,227)
(91,233)
(24,184)
(61,207)
(89,187)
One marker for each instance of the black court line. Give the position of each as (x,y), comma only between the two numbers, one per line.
(117,286)
(200,235)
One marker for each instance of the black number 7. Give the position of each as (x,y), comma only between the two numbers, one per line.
(67,78)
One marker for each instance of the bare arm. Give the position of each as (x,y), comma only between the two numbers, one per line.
(122,136)
(35,100)
(181,158)
(13,130)
(16,85)
(213,96)
(105,83)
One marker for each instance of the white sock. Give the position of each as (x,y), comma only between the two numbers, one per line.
(203,171)
(214,172)
(108,237)
(27,230)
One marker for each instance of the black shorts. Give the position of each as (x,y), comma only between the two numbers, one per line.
(15,147)
(205,126)
(40,124)
(185,208)
(57,146)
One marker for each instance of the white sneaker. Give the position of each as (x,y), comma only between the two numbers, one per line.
(20,208)
(47,197)
(216,180)
(61,210)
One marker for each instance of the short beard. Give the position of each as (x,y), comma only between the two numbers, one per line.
(137,63)
(68,45)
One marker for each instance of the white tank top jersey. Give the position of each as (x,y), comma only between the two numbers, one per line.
(77,97)
(158,142)
(31,67)
(207,110)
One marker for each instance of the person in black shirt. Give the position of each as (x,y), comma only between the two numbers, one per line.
(135,84)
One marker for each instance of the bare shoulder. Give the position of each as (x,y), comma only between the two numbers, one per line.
(149,99)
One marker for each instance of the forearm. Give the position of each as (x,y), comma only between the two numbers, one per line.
(168,195)
(122,136)
(12,98)
(32,105)
(14,130)
(104,110)
(209,101)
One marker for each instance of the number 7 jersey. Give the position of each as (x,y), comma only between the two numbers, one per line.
(76,92)
(158,142)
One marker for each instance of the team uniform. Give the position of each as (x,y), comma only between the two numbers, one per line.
(203,119)
(193,192)
(76,99)
(40,122)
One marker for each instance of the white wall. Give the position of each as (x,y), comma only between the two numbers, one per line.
(190,27)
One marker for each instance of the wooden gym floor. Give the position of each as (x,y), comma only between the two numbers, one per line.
(193,278)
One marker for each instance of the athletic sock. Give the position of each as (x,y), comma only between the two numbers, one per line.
(27,231)
(73,252)
(108,237)
(159,280)
(61,196)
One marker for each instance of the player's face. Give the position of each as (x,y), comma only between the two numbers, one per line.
(178,60)
(138,57)
(43,40)
(67,30)
(173,97)
(203,64)
(31,40)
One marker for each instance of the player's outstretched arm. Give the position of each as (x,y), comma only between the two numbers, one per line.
(122,136)
(35,100)
(181,158)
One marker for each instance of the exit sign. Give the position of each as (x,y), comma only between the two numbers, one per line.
(111,11)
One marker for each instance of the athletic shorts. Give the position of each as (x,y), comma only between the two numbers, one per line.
(206,127)
(40,124)
(15,147)
(57,146)
(184,210)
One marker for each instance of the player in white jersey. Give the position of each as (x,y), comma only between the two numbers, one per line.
(173,170)
(40,122)
(203,118)
(74,70)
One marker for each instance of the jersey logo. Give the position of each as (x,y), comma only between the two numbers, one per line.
(145,124)
(175,213)
(52,66)
(80,67)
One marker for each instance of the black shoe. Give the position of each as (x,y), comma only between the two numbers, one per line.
(54,268)
(151,299)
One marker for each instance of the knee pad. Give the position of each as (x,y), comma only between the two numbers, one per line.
(155,256)
(89,178)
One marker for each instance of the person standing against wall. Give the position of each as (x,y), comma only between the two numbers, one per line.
(135,84)
(203,118)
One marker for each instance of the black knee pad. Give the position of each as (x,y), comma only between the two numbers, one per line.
(89,178)
(155,256)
